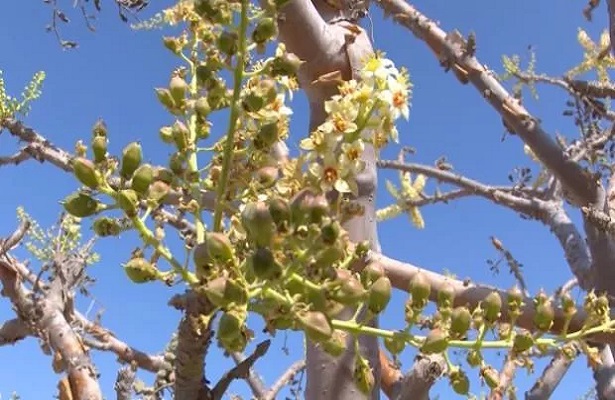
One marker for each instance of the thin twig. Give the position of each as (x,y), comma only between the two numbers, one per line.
(285,379)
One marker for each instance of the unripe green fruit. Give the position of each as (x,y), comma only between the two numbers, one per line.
(267,135)
(395,344)
(420,288)
(446,296)
(202,259)
(265,29)
(230,332)
(164,175)
(460,382)
(288,64)
(180,135)
(128,200)
(253,101)
(99,129)
(280,213)
(267,177)
(350,291)
(219,247)
(165,98)
(264,264)
(106,226)
(223,291)
(372,272)
(515,298)
(173,44)
(461,319)
(131,159)
(379,295)
(176,164)
(139,270)
(80,205)
(166,134)
(543,318)
(491,376)
(474,358)
(202,107)
(99,148)
(228,42)
(86,172)
(142,178)
(336,345)
(364,377)
(267,88)
(435,342)
(316,325)
(300,206)
(523,341)
(328,256)
(178,88)
(157,191)
(258,223)
(492,306)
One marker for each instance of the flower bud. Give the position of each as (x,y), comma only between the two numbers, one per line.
(180,135)
(165,98)
(178,88)
(86,172)
(543,318)
(99,148)
(80,205)
(131,159)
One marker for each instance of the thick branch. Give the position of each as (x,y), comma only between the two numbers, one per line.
(418,381)
(551,377)
(583,189)
(13,331)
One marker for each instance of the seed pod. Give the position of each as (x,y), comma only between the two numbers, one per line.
(223,291)
(459,382)
(230,332)
(105,226)
(491,376)
(86,172)
(461,319)
(379,295)
(267,135)
(267,177)
(543,318)
(523,341)
(157,191)
(165,98)
(264,264)
(202,107)
(363,376)
(492,306)
(178,88)
(219,247)
(80,205)
(336,345)
(280,213)
(131,159)
(128,200)
(180,135)
(435,342)
(395,344)
(139,270)
(316,325)
(99,148)
(474,358)
(228,42)
(265,29)
(142,178)
(420,288)
(258,223)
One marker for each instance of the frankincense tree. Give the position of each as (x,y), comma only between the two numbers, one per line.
(292,238)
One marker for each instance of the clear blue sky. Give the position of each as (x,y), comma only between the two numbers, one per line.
(113,73)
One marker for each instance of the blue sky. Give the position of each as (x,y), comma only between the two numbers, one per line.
(112,75)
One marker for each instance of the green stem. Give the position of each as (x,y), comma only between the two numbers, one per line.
(230,142)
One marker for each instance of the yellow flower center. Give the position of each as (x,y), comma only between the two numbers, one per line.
(330,175)
(340,123)
(353,153)
(399,99)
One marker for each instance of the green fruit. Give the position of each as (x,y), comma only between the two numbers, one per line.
(474,358)
(300,206)
(350,291)
(178,88)
(164,96)
(491,376)
(106,226)
(202,259)
(267,89)
(395,344)
(280,213)
(142,178)
(265,29)
(264,264)
(515,298)
(267,135)
(219,247)
(80,205)
(267,177)
(99,148)
(128,200)
(99,129)
(446,296)
(288,64)
(336,345)
(86,172)
(230,332)
(131,159)
(164,174)
(223,291)
(363,376)
(372,272)
(330,233)
(460,382)
(316,325)
(379,295)
(543,318)
(420,288)
(176,164)
(139,270)
(492,306)
(461,319)
(435,342)
(228,42)
(258,223)
(328,256)
(202,107)
(523,341)
(253,101)
(180,135)
(157,191)
(166,134)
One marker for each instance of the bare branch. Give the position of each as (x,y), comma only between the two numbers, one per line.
(124,381)
(285,379)
(240,371)
(12,241)
(418,381)
(451,52)
(520,204)
(513,264)
(551,376)
(254,381)
(506,378)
